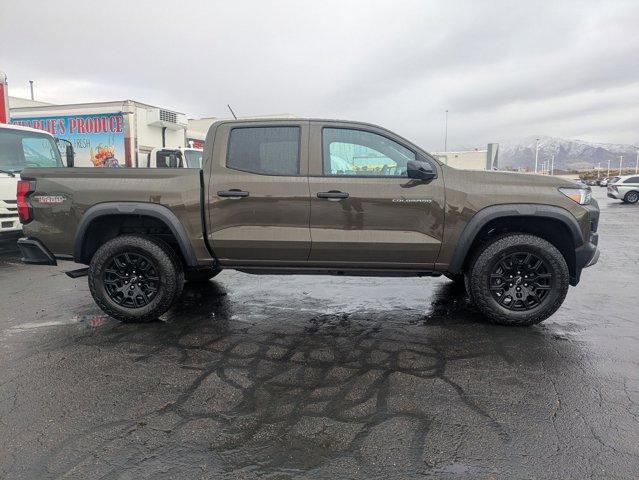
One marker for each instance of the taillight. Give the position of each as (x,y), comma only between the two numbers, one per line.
(25,187)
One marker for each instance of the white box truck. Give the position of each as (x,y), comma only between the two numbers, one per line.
(108,134)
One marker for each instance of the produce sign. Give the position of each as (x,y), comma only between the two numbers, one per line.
(98,140)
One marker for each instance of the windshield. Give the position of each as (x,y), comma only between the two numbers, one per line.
(20,149)
(193,158)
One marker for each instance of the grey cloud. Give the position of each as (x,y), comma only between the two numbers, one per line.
(503,69)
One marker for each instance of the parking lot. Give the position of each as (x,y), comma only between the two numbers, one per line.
(322,377)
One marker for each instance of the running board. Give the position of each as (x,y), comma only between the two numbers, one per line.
(80,272)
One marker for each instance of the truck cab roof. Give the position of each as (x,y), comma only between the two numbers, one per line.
(10,126)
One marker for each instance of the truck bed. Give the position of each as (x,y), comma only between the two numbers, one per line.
(67,194)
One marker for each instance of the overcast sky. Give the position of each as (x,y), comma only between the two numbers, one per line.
(503,69)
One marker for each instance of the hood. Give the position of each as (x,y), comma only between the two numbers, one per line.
(515,178)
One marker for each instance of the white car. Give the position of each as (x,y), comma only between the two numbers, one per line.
(624,188)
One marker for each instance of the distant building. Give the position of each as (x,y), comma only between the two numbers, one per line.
(472,159)
(17,102)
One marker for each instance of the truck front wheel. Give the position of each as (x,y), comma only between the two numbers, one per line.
(135,278)
(518,279)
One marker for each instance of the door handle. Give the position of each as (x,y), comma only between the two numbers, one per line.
(332,195)
(233,193)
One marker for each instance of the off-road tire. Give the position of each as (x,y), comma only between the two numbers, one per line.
(491,252)
(166,262)
(631,197)
(201,275)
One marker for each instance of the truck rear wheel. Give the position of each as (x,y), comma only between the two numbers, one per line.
(135,278)
(518,279)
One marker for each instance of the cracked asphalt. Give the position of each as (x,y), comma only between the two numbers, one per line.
(322,377)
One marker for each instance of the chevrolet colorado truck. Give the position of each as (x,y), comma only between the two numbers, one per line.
(305,196)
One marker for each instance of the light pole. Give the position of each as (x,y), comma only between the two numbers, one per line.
(620,163)
(446,131)
(536,153)
(552,165)
(598,169)
(637,164)
(608,174)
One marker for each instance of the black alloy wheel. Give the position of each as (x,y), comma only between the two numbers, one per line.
(520,281)
(131,279)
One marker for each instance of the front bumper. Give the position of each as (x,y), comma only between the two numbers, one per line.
(35,253)
(588,254)
(9,225)
(614,194)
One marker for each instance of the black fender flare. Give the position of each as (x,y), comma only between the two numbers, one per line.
(154,210)
(482,217)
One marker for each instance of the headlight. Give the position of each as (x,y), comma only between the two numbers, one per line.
(580,195)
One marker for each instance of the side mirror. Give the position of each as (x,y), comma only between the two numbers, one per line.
(420,170)
(70,156)
(68,150)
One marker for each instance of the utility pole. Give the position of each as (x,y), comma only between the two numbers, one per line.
(31,87)
(620,163)
(637,164)
(608,174)
(598,169)
(536,153)
(446,131)
(552,165)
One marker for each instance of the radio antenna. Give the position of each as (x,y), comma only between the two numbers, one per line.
(232,112)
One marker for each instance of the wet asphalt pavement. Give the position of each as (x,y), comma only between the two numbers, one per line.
(322,377)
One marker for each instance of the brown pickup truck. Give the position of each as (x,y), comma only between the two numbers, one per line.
(311,197)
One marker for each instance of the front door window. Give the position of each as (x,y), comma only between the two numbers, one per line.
(360,153)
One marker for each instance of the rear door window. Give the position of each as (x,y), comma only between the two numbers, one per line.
(265,150)
(632,180)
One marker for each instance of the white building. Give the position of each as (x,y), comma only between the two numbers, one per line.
(472,159)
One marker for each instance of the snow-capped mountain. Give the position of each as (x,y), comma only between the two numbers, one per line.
(569,154)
